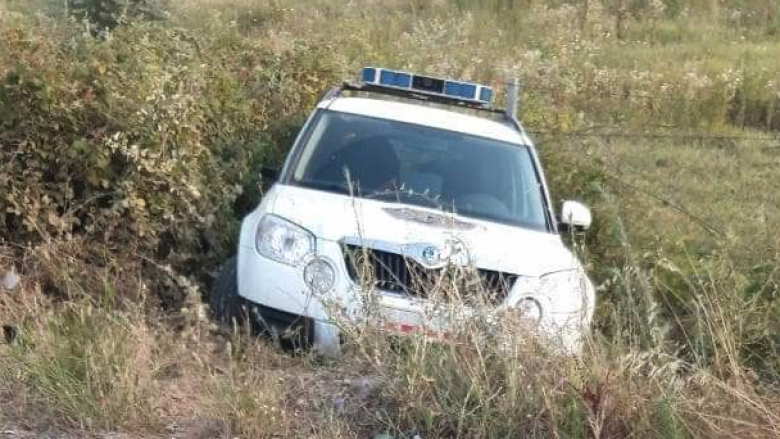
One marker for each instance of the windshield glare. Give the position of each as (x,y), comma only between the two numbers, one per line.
(412,164)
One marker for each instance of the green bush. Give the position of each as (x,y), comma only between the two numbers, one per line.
(143,141)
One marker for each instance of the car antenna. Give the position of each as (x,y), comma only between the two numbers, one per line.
(512,92)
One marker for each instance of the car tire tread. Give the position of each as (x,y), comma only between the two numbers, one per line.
(224,301)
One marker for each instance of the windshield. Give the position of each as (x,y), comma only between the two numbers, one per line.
(405,163)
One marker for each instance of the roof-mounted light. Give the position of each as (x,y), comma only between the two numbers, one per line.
(456,90)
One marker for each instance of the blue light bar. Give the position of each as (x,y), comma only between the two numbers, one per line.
(395,79)
(485,94)
(369,74)
(456,90)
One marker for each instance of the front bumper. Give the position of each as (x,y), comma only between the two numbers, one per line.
(282,287)
(279,286)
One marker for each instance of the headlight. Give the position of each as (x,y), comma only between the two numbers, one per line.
(569,280)
(283,241)
(319,275)
(568,292)
(561,291)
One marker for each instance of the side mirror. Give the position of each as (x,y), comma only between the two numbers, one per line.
(575,215)
(269,174)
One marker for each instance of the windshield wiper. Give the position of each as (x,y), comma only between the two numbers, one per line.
(325,186)
(396,196)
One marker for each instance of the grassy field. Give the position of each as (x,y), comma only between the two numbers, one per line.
(127,157)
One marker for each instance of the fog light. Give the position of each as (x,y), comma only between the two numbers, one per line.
(319,275)
(530,310)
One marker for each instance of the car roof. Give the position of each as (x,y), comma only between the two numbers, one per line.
(427,116)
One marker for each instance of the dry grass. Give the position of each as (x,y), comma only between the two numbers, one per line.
(105,366)
(488,381)
(90,363)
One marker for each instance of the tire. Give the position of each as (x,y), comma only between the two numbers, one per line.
(224,301)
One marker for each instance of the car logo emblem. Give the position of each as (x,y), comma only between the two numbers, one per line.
(431,255)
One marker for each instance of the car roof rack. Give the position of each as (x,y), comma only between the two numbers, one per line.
(431,89)
(414,94)
(460,94)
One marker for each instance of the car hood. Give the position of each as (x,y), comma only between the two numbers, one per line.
(489,245)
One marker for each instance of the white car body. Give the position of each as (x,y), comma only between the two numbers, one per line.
(547,270)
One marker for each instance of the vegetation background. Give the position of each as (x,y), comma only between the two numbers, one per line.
(132,131)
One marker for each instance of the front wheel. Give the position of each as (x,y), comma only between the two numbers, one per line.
(224,301)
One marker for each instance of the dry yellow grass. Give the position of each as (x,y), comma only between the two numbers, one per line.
(108,366)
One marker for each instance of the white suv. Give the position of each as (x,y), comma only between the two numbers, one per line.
(398,178)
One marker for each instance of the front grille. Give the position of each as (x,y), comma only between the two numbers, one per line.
(396,273)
